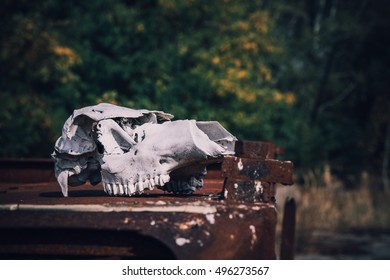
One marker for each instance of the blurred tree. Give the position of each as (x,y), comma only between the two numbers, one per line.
(36,78)
(335,59)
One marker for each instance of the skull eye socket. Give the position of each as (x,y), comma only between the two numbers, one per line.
(162,161)
(100,148)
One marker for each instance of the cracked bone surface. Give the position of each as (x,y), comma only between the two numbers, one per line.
(131,151)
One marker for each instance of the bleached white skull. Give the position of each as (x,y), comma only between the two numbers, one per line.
(135,150)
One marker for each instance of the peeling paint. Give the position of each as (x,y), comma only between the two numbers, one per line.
(182,241)
(160,202)
(259,188)
(240,166)
(253,235)
(190,224)
(210,218)
(196,209)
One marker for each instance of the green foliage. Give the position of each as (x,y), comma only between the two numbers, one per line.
(308,75)
(335,55)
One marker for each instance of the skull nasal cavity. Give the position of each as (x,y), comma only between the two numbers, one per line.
(162,161)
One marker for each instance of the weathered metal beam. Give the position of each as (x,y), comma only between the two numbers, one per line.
(26,170)
(269,170)
(36,221)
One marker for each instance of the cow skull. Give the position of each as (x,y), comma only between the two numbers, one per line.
(135,150)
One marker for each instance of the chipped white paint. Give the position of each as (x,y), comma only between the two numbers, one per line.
(9,207)
(160,202)
(230,216)
(235,185)
(109,208)
(258,187)
(152,223)
(210,218)
(190,224)
(182,241)
(240,166)
(253,235)
(131,151)
(225,193)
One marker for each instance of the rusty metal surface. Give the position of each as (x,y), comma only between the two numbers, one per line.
(37,222)
(268,170)
(25,170)
(251,175)
(190,227)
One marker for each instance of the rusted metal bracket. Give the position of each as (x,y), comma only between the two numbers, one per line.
(251,176)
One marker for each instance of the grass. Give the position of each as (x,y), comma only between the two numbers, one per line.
(334,210)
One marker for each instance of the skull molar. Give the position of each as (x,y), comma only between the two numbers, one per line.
(131,151)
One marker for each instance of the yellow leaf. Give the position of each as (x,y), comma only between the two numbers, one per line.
(71,56)
(215,60)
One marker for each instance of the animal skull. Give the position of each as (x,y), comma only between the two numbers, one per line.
(135,150)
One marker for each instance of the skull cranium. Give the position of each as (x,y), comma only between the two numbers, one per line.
(135,150)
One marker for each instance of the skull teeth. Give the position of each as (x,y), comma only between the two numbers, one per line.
(147,184)
(121,189)
(183,187)
(165,179)
(108,189)
(130,189)
(115,189)
(157,181)
(139,187)
(118,189)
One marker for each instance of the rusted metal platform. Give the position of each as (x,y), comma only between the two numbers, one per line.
(232,217)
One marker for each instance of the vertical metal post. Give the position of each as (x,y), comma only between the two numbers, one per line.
(288,230)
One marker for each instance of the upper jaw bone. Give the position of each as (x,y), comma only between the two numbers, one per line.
(118,189)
